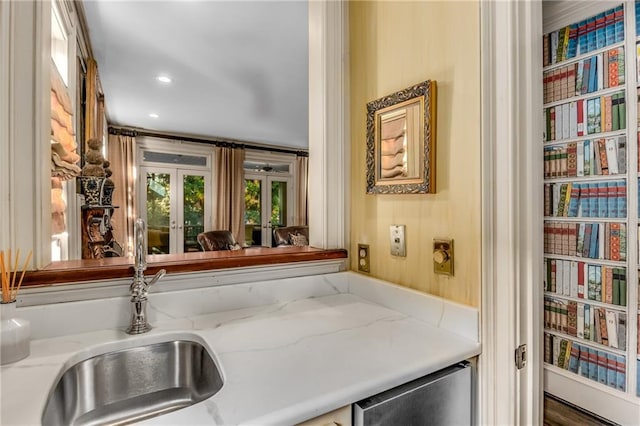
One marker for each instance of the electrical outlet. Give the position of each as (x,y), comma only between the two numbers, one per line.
(363,258)
(398,246)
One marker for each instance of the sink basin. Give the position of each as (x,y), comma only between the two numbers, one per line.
(133,384)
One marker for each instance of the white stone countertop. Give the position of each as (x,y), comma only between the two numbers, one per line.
(322,342)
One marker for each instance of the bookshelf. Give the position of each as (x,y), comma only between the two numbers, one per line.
(591,183)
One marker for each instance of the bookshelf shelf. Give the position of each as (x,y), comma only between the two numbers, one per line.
(598,178)
(585,219)
(568,152)
(587,301)
(605,262)
(601,135)
(582,57)
(584,342)
(590,95)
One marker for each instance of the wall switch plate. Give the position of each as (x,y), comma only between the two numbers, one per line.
(398,245)
(443,256)
(363,258)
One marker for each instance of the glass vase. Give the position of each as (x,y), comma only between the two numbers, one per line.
(15,334)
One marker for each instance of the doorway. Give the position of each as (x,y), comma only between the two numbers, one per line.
(268,205)
(270,195)
(176,196)
(175,206)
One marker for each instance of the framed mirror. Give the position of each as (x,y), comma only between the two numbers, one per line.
(401,150)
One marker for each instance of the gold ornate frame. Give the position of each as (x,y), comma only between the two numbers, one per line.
(417,140)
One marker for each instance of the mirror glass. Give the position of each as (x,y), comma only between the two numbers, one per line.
(400,141)
(225,69)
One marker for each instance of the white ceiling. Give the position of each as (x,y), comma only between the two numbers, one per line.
(239,68)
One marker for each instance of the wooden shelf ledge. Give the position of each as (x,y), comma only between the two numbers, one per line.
(122,267)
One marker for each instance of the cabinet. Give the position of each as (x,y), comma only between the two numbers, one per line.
(339,417)
(591,209)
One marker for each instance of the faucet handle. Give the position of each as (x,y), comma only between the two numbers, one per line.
(161,273)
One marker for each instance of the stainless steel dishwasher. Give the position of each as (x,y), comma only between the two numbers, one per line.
(441,398)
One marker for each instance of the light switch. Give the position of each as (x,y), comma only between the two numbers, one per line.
(398,245)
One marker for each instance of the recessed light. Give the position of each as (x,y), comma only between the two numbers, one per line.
(164,79)
(154,115)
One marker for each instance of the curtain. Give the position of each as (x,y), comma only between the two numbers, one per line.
(301,183)
(228,187)
(122,159)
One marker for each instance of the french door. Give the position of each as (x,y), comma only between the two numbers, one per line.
(175,204)
(268,205)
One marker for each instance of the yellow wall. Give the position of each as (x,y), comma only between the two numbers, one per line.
(394,45)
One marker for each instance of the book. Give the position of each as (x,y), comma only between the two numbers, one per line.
(602,156)
(613,67)
(579,321)
(593,364)
(621,330)
(614,246)
(561,353)
(591,285)
(580,117)
(581,280)
(623,290)
(583,360)
(615,291)
(615,111)
(622,154)
(600,32)
(622,111)
(587,322)
(572,318)
(574,359)
(602,367)
(611,148)
(602,327)
(612,370)
(573,287)
(611,318)
(587,158)
(621,377)
(619,23)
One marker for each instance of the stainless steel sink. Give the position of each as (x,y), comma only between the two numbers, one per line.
(133,384)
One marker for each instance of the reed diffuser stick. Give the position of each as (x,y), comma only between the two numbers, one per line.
(9,273)
(3,276)
(24,269)
(15,269)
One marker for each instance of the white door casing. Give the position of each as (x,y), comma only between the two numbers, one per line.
(511,222)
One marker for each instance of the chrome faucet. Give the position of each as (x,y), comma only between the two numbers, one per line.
(139,288)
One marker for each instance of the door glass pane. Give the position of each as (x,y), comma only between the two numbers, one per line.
(252,212)
(278,204)
(193,211)
(158,212)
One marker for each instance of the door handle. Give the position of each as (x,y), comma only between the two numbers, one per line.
(173,224)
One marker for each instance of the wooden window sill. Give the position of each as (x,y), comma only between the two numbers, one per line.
(122,267)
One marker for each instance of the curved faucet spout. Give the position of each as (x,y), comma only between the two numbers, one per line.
(139,287)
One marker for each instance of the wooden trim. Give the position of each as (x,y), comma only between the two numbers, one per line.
(113,268)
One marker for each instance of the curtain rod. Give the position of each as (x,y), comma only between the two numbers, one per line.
(228,143)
